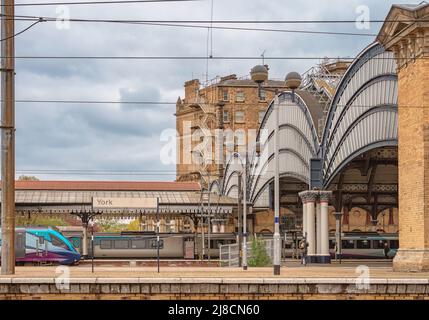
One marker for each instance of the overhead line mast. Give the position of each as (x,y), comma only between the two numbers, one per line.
(8,139)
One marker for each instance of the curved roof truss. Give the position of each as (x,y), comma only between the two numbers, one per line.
(363,113)
(298,143)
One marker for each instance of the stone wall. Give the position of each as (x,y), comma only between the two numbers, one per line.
(214,289)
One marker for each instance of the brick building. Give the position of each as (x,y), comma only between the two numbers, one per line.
(227,103)
(233,105)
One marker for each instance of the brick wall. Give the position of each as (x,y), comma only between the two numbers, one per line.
(413,100)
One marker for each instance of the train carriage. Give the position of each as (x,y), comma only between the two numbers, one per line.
(43,245)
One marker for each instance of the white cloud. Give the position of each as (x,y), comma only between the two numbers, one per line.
(122,137)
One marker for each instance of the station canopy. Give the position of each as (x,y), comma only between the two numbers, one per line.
(68,197)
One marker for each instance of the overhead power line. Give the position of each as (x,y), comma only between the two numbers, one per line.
(22,31)
(209,23)
(71,3)
(97,102)
(197,26)
(208,26)
(170,103)
(195,58)
(325,21)
(96,172)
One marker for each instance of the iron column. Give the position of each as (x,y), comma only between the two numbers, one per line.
(240,230)
(8,138)
(209,217)
(276,238)
(157,233)
(245,216)
(338,231)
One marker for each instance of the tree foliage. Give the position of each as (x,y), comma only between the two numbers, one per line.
(28,178)
(35,221)
(259,256)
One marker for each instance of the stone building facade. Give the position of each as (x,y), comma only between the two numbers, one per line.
(229,104)
(406,34)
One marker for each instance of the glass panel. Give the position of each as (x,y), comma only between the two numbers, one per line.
(240,96)
(348,244)
(394,244)
(121,244)
(58,242)
(225,116)
(106,244)
(153,244)
(363,244)
(261,116)
(138,244)
(239,116)
(378,244)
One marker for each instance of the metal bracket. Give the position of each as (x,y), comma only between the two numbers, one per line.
(7,128)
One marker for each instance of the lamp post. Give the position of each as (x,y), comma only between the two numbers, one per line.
(338,231)
(91,225)
(259,74)
(244,179)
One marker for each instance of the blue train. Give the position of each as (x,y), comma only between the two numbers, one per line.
(43,245)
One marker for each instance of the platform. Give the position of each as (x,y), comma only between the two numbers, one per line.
(345,281)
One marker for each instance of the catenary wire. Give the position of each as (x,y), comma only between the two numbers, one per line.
(209,26)
(22,31)
(164,103)
(155,57)
(105,2)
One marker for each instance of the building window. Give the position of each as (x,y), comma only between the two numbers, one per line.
(263,95)
(261,115)
(240,138)
(225,95)
(239,96)
(239,116)
(226,116)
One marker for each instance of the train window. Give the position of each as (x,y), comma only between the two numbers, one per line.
(378,244)
(75,242)
(394,244)
(58,242)
(138,244)
(153,244)
(105,244)
(212,243)
(347,244)
(363,244)
(331,244)
(121,244)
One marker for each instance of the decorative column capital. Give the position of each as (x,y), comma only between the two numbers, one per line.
(308,196)
(325,196)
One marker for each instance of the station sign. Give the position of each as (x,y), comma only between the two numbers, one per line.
(123,203)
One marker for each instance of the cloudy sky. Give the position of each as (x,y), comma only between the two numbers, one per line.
(123,137)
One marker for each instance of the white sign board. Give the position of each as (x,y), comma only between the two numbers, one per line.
(117,203)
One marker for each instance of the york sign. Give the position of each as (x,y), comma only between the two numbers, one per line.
(118,203)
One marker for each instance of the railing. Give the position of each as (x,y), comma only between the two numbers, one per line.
(229,255)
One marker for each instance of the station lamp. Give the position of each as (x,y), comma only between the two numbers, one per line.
(293,81)
(259,74)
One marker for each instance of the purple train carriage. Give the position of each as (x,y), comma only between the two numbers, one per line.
(43,245)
